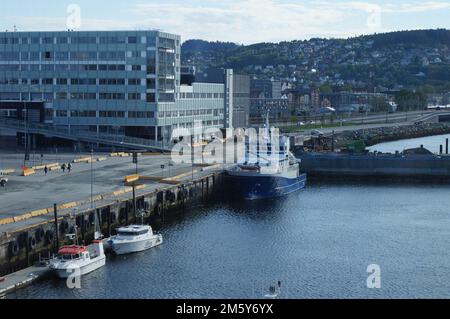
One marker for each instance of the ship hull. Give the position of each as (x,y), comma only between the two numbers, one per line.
(256,186)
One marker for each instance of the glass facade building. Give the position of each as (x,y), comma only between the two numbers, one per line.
(124,82)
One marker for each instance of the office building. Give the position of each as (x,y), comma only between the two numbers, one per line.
(120,82)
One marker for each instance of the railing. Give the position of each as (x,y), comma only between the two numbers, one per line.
(103,138)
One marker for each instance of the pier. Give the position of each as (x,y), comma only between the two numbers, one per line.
(31,203)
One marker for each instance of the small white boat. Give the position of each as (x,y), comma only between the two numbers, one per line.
(74,257)
(134,238)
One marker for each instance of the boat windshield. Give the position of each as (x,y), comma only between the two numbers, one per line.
(132,233)
(69,257)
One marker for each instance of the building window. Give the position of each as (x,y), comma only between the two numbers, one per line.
(47,40)
(112,40)
(134,81)
(61,95)
(136,67)
(151,85)
(132,40)
(151,97)
(62,40)
(47,67)
(62,56)
(83,40)
(61,113)
(134,96)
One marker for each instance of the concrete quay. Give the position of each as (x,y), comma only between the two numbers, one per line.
(27,226)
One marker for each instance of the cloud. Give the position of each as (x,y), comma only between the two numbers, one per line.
(246,21)
(251,21)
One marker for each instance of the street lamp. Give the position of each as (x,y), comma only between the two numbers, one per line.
(92,177)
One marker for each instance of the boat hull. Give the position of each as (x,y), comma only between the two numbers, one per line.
(65,271)
(258,186)
(124,247)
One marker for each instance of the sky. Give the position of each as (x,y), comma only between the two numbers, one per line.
(240,21)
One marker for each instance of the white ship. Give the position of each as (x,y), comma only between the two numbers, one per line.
(134,238)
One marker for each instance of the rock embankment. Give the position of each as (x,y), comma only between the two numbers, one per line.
(374,136)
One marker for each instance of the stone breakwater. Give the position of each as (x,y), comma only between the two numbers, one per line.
(374,136)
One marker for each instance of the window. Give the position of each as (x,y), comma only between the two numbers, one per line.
(151,65)
(111,96)
(47,40)
(166,97)
(34,56)
(48,55)
(48,97)
(112,113)
(111,56)
(151,98)
(62,67)
(112,82)
(151,85)
(134,96)
(133,114)
(83,40)
(132,39)
(24,56)
(62,40)
(134,81)
(61,113)
(112,40)
(47,67)
(83,56)
(62,56)
(83,81)
(61,95)
(136,54)
(35,40)
(135,67)
(61,81)
(34,81)
(47,81)
(24,40)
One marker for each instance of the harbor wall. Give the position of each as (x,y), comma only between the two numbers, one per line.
(23,247)
(374,136)
(394,167)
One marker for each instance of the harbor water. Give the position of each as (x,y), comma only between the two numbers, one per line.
(318,242)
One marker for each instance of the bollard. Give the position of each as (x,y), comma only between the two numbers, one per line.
(446,146)
(440,149)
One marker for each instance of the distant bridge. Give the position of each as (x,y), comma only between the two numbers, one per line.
(86,137)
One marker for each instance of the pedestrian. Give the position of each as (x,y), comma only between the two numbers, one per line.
(63,167)
(69,167)
(45,169)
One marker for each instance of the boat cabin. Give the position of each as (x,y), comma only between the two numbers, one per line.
(73,252)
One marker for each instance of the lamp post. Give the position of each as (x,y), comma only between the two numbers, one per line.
(92,177)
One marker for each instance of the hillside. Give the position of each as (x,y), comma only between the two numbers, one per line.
(405,59)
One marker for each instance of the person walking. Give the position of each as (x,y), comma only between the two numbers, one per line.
(69,167)
(63,167)
(45,169)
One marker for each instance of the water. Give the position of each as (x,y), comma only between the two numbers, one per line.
(432,143)
(318,242)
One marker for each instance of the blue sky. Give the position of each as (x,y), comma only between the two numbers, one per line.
(242,21)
